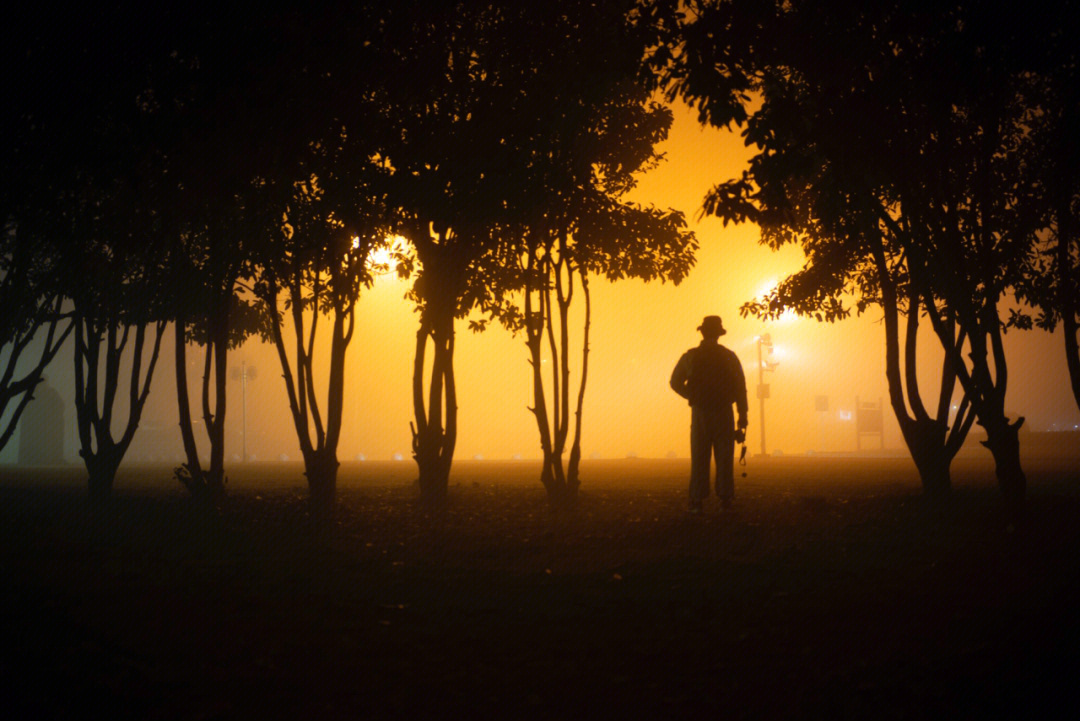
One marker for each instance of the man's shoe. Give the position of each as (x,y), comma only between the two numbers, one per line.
(695,508)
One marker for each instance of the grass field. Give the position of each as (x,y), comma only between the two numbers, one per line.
(830,589)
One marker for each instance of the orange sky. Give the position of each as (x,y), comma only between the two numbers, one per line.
(638,332)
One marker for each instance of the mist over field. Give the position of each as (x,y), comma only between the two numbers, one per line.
(256,460)
(638,332)
(830,587)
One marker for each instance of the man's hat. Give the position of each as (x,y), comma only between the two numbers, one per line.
(712,325)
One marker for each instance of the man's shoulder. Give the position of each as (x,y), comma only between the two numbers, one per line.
(729,355)
(688,353)
(711,352)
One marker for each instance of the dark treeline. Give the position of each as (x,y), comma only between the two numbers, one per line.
(230,175)
(924,157)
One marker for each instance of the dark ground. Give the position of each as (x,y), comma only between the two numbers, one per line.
(830,590)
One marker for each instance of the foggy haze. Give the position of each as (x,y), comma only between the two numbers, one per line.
(638,333)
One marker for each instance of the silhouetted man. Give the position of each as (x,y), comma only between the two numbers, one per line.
(711,378)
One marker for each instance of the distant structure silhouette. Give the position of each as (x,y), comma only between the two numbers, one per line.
(41,428)
(869,421)
(711,378)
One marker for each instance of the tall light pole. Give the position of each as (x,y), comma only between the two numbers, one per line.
(242,374)
(762,387)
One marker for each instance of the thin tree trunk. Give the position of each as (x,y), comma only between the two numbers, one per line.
(544,279)
(1072,352)
(558,389)
(987,397)
(1002,436)
(925,437)
(573,478)
(1067,291)
(539,325)
(320,461)
(1003,441)
(190,474)
(101,468)
(435,432)
(535,324)
(320,455)
(103,457)
(216,429)
(25,386)
(321,467)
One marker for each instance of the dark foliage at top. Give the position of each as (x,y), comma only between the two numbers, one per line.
(904,148)
(232,174)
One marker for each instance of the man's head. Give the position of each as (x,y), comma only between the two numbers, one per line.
(712,327)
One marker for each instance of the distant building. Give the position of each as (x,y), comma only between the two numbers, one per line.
(41,428)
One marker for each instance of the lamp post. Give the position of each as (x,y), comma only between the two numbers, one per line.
(242,374)
(763,341)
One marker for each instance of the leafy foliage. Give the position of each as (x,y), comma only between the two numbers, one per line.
(907,188)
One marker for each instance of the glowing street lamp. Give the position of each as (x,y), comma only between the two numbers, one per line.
(764,365)
(382,259)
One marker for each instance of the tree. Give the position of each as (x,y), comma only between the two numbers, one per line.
(114,283)
(33,325)
(1052,281)
(457,154)
(594,131)
(210,266)
(613,239)
(316,263)
(491,95)
(43,141)
(202,102)
(33,321)
(897,179)
(89,193)
(851,258)
(241,105)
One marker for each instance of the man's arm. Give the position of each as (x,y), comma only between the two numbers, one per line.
(680,377)
(740,390)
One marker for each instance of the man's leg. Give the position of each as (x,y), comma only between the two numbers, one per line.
(700,444)
(724,449)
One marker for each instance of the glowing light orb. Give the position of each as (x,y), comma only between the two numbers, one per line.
(382,259)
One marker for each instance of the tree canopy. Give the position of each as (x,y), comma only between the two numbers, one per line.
(906,186)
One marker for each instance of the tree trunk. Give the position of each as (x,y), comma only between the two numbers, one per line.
(1067,301)
(205,486)
(435,433)
(189,474)
(101,470)
(926,443)
(1072,351)
(215,477)
(561,494)
(573,478)
(927,438)
(93,424)
(1003,440)
(321,467)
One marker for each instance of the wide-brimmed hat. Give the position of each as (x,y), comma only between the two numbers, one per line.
(712,325)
